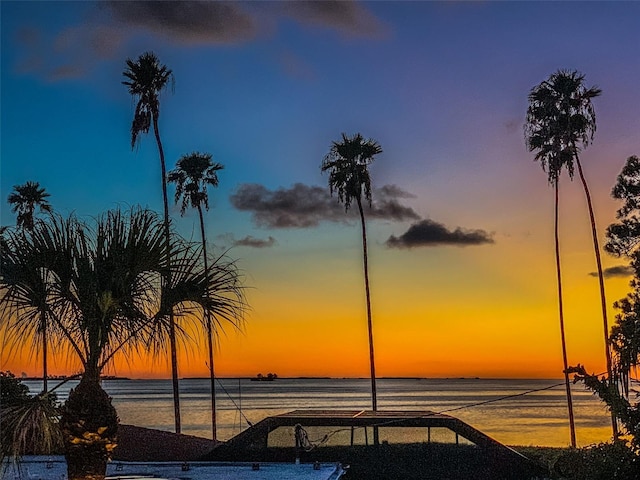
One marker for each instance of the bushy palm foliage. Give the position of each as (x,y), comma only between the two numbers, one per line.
(103,284)
(193,173)
(560,120)
(25,199)
(146,78)
(348,165)
(191,176)
(30,427)
(28,424)
(106,297)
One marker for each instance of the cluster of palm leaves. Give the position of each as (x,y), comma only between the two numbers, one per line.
(27,423)
(100,285)
(24,199)
(101,289)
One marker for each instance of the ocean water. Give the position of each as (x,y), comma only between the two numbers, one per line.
(537,418)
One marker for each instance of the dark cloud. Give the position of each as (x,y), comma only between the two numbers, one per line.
(427,233)
(190,22)
(394,191)
(350,17)
(253,242)
(387,207)
(615,271)
(304,206)
(107,29)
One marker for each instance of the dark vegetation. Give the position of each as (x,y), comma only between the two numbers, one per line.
(28,423)
(616,392)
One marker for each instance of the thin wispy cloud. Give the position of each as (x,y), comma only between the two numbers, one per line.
(106,30)
(71,54)
(303,206)
(254,242)
(615,271)
(429,233)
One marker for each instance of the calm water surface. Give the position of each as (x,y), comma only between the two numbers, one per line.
(538,418)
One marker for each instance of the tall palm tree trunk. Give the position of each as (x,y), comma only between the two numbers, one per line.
(45,373)
(172,325)
(209,330)
(603,301)
(374,395)
(572,426)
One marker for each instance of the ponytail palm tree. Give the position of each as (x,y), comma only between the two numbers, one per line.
(146,78)
(348,165)
(24,200)
(107,299)
(560,122)
(192,175)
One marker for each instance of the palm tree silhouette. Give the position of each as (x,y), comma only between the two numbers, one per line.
(347,163)
(146,78)
(23,200)
(192,174)
(560,121)
(107,301)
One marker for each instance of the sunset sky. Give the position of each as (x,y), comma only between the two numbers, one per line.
(266,87)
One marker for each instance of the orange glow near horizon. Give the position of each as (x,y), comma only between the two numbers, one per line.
(424,341)
(487,311)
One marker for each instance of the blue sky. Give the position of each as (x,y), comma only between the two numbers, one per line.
(266,86)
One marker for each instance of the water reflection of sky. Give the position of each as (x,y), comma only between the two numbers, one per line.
(537,418)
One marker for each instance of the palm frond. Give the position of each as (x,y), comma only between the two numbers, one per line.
(30,428)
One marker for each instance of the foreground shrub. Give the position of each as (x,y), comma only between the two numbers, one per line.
(604,461)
